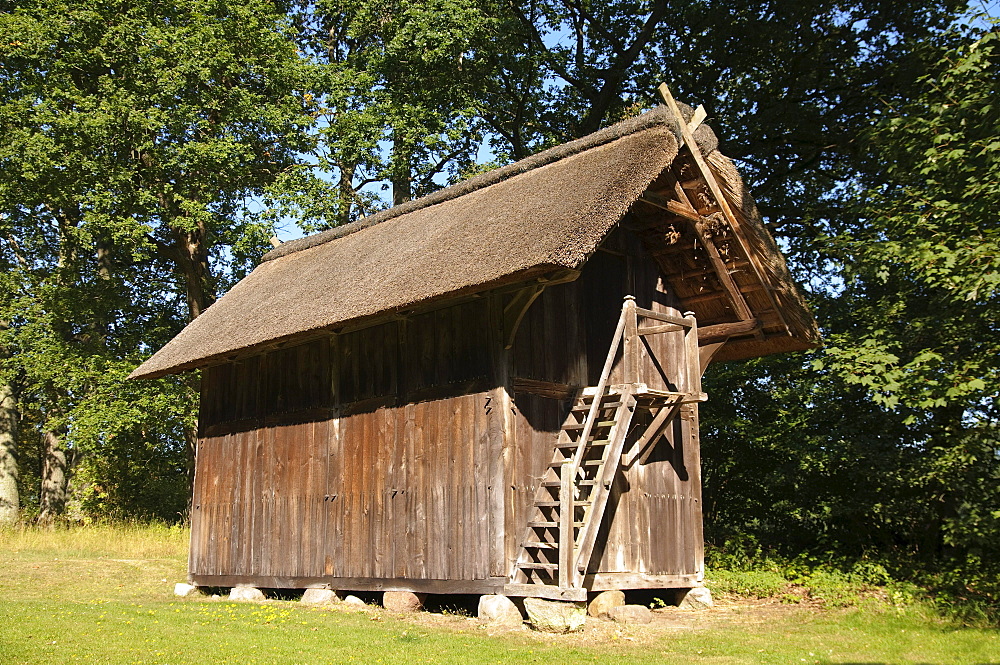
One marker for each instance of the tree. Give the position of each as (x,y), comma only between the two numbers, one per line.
(134,137)
(393,89)
(885,443)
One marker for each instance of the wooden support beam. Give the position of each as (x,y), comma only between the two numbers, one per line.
(514,311)
(715,295)
(545,591)
(731,265)
(656,330)
(723,331)
(652,432)
(699,117)
(713,185)
(672,206)
(706,352)
(736,299)
(666,318)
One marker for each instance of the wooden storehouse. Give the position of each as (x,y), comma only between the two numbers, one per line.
(492,389)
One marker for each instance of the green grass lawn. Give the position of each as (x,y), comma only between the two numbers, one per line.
(104,595)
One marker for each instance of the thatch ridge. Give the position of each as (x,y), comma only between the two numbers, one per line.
(660,115)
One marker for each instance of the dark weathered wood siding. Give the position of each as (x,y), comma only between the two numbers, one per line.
(411,450)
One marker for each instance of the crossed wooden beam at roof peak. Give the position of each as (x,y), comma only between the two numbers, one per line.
(683,207)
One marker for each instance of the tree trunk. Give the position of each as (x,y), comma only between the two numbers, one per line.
(10,505)
(401,176)
(347,193)
(52,501)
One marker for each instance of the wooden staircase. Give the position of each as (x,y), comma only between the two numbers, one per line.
(570,502)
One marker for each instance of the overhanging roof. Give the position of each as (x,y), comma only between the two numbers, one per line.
(545,213)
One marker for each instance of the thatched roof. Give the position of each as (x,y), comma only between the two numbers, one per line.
(542,214)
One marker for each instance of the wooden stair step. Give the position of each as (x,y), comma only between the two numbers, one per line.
(538,566)
(575,444)
(586,407)
(579,426)
(548,525)
(586,462)
(556,504)
(556,483)
(539,545)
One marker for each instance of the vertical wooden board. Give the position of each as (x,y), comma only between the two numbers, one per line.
(242,502)
(429,369)
(463,551)
(334,501)
(400,511)
(493,446)
(360,486)
(271,502)
(416,524)
(257,538)
(200,526)
(282,549)
(279,471)
(443,350)
(224,508)
(694,510)
(298,451)
(348,494)
(436,538)
(393,488)
(482,474)
(390,347)
(313,555)
(379,470)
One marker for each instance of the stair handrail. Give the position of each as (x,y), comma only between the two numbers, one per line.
(588,423)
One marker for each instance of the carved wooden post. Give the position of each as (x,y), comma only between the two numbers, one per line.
(630,352)
(691,356)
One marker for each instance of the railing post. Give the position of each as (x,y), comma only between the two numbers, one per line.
(630,352)
(692,357)
(567,542)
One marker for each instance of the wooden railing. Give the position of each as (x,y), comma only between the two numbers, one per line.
(574,560)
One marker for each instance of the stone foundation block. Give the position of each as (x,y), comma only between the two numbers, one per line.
(499,610)
(403,601)
(602,604)
(698,598)
(319,597)
(247,594)
(631,614)
(185,590)
(555,616)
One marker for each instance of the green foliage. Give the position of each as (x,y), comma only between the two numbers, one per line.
(134,137)
(749,584)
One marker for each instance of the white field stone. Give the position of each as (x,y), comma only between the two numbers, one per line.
(602,604)
(403,601)
(631,614)
(247,594)
(319,597)
(555,616)
(353,602)
(499,610)
(183,589)
(698,598)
